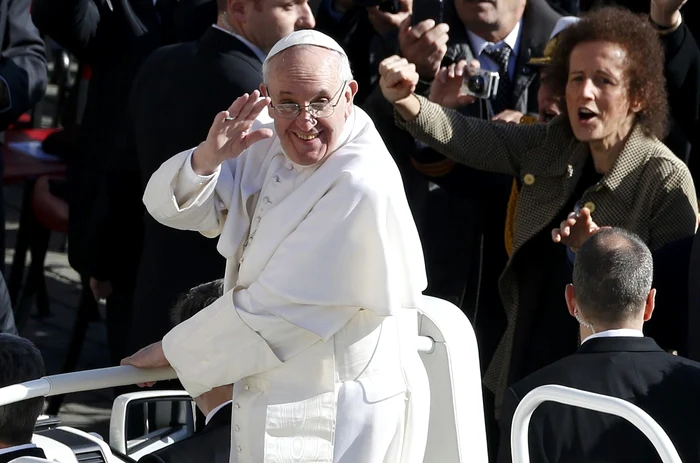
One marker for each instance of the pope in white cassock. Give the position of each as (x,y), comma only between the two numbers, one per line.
(317,326)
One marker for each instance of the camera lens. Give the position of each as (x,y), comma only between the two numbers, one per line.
(389,6)
(476,84)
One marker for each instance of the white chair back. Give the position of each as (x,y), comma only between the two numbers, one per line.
(591,401)
(457,432)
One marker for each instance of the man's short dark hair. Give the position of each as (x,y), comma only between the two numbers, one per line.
(613,274)
(20,361)
(196,299)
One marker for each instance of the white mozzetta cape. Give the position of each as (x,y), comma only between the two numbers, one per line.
(317,326)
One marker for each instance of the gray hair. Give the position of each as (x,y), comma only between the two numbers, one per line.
(20,361)
(613,274)
(344,70)
(196,299)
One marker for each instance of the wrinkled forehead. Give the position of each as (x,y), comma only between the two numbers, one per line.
(302,56)
(304,64)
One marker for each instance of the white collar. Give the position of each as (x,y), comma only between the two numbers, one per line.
(621,333)
(478,44)
(254,48)
(17,448)
(211,414)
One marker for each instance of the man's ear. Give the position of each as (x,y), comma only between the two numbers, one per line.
(570,296)
(650,304)
(237,10)
(263,91)
(353,90)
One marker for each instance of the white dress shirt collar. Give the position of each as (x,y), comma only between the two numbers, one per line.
(478,44)
(211,414)
(17,448)
(258,52)
(621,333)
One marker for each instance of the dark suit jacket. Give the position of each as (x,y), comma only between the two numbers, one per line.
(33,452)
(113,42)
(210,445)
(175,98)
(635,369)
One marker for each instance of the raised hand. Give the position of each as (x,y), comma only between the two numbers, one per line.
(446,89)
(398,78)
(424,44)
(666,13)
(576,229)
(230,133)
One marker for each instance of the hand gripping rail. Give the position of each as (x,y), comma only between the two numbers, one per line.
(591,401)
(67,383)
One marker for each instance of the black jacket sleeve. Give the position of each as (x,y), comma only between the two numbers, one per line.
(22,63)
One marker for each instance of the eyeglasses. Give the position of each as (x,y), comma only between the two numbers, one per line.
(319,109)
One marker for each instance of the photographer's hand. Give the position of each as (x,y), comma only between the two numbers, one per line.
(383,21)
(447,86)
(424,45)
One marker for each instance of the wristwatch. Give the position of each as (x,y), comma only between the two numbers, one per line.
(665,30)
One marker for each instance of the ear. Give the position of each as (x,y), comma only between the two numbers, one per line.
(237,10)
(570,296)
(350,92)
(263,91)
(650,304)
(636,105)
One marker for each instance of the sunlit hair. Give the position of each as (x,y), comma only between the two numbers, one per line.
(344,71)
(644,76)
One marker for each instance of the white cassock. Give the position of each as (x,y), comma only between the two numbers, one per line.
(317,326)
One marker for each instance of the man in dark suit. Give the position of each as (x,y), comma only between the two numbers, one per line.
(20,361)
(213,443)
(611,298)
(22,75)
(112,38)
(175,97)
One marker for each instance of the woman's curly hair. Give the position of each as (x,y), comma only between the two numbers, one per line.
(644,75)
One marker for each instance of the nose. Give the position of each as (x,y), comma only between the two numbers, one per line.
(306,18)
(305,121)
(588,89)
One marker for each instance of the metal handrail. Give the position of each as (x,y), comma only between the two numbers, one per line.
(591,401)
(102,378)
(79,381)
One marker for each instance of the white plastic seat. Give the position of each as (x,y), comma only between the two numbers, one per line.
(591,401)
(457,432)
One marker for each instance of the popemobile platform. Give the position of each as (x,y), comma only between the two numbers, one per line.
(447,346)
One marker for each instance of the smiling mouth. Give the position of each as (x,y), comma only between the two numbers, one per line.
(306,137)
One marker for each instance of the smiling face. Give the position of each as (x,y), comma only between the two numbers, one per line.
(490,19)
(303,76)
(597,94)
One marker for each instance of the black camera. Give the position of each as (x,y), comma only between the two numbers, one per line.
(481,84)
(387,6)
